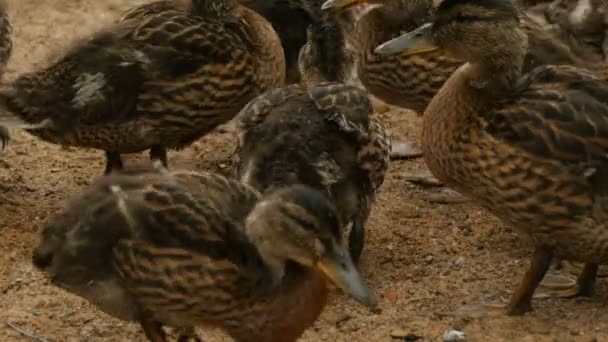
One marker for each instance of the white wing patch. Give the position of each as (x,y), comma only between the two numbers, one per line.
(121,202)
(88,89)
(328,169)
(581,12)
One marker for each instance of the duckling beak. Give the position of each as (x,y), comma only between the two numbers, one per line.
(340,4)
(415,42)
(341,270)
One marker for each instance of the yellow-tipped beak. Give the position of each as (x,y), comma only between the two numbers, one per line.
(416,42)
(340,4)
(340,269)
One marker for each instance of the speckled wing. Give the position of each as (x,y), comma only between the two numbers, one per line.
(258,109)
(559,113)
(351,109)
(169,63)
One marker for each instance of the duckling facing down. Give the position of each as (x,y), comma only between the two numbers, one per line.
(6,49)
(168,73)
(185,249)
(321,133)
(531,148)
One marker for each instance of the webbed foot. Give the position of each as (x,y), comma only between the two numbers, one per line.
(446,196)
(405,150)
(565,287)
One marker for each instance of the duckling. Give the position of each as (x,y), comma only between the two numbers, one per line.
(412,81)
(169,72)
(321,133)
(183,249)
(530,147)
(6,49)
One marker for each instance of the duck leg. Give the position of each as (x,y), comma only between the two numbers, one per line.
(4,137)
(583,286)
(113,162)
(154,331)
(356,239)
(520,302)
(159,153)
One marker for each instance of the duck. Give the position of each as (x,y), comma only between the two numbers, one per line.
(182,248)
(322,133)
(411,81)
(166,74)
(6,50)
(530,147)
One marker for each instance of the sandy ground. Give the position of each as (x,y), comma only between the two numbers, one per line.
(423,259)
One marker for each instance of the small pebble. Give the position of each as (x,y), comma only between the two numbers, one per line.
(453,336)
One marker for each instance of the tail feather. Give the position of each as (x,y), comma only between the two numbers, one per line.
(9,118)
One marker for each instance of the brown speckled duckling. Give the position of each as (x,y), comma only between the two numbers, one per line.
(530,147)
(185,249)
(321,133)
(166,74)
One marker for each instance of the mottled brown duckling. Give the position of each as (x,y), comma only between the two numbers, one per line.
(530,147)
(168,73)
(321,133)
(412,81)
(6,49)
(184,249)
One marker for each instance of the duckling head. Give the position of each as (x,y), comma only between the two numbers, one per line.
(300,225)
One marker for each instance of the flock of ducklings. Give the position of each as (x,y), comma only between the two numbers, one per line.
(515,117)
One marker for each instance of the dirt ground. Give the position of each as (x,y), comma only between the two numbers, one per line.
(422,259)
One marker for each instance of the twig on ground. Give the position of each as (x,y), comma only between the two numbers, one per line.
(26,333)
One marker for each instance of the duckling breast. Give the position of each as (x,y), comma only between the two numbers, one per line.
(288,315)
